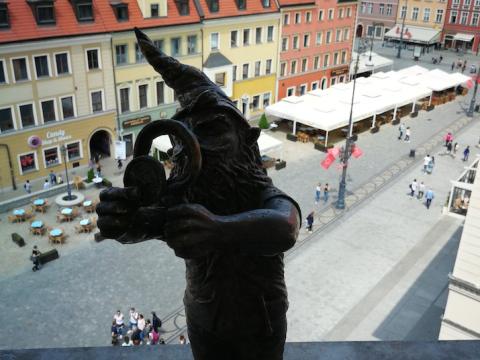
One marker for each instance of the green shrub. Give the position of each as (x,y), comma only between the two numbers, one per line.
(263,123)
(107,182)
(90,175)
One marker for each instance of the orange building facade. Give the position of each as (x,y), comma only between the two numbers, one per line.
(315,44)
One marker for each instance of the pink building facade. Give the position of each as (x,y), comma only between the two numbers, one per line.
(316,44)
(376,17)
(462,25)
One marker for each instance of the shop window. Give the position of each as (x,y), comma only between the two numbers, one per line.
(20,71)
(257,68)
(48,111)
(160,92)
(220,79)
(51,157)
(68,110)
(124,100)
(315,85)
(93,59)
(192,44)
(97,101)
(41,66)
(4,19)
(26,115)
(303,89)
(27,162)
(121,53)
(6,120)
(290,91)
(73,151)
(183,7)
(142,96)
(266,100)
(175,44)
(268,67)
(61,62)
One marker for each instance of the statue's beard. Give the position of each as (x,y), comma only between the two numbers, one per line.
(228,185)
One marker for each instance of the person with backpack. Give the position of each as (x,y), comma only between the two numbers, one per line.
(156,322)
(466,153)
(34,257)
(310,222)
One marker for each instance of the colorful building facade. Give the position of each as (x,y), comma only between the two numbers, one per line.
(462,25)
(375,18)
(315,46)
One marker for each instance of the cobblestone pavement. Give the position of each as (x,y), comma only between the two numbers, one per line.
(70,302)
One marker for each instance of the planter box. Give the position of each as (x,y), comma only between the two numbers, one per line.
(17,239)
(396,121)
(280,165)
(320,147)
(48,256)
(430,107)
(374,129)
(414,114)
(291,137)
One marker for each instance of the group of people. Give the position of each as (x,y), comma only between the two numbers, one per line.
(451,149)
(404,130)
(52,180)
(418,190)
(138,331)
(318,193)
(459,64)
(428,164)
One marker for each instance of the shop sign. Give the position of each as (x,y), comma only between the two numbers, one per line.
(137,121)
(339,72)
(54,137)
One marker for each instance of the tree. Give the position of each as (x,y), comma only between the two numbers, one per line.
(263,123)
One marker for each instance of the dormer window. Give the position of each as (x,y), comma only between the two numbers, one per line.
(213,5)
(44,11)
(183,7)
(241,4)
(121,9)
(266,3)
(83,10)
(4,21)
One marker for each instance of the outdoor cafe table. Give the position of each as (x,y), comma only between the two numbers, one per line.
(84,222)
(37,224)
(56,235)
(97,181)
(39,202)
(19,213)
(87,203)
(67,211)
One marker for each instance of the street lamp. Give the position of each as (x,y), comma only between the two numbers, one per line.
(374,26)
(348,145)
(63,149)
(401,32)
(472,102)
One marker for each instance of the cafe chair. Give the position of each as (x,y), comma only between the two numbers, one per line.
(78,182)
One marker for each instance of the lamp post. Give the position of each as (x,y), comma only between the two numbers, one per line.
(401,32)
(348,146)
(63,149)
(472,102)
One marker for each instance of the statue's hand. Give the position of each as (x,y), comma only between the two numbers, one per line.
(191,230)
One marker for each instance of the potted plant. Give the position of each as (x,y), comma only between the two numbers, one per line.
(263,123)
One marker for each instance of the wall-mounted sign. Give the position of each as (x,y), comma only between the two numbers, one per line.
(339,72)
(137,121)
(34,141)
(55,137)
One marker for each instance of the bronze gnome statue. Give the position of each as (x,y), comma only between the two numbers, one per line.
(218,210)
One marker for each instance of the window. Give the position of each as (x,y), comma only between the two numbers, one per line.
(340,13)
(242,4)
(159,44)
(45,13)
(344,57)
(293,67)
(42,66)
(245,71)
(330,14)
(466,3)
(308,17)
(464,17)
(439,17)
(4,20)
(160,92)
(303,89)
(283,69)
(403,12)
(28,162)
(315,85)
(268,67)
(370,8)
(341,78)
(318,39)
(183,7)
(214,41)
(175,44)
(453,17)
(415,13)
(295,42)
(138,54)
(266,100)
(298,18)
(93,59)
(328,40)
(285,44)
(213,5)
(51,157)
(363,8)
(191,44)
(306,40)
(266,3)
(73,151)
(154,10)
(333,81)
(349,12)
(6,120)
(335,58)
(304,64)
(477,3)
(20,71)
(121,54)
(290,91)
(426,14)
(381,9)
(142,96)
(389,9)
(48,111)
(346,34)
(124,100)
(270,34)
(320,15)
(26,115)
(246,37)
(286,19)
(68,109)
(234,73)
(326,60)
(84,10)
(316,62)
(258,35)
(121,12)
(474,21)
(3,73)
(371,30)
(220,79)
(62,63)
(97,100)
(338,35)
(256,102)
(233,38)
(257,68)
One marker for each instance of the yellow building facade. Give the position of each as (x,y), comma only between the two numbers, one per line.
(422,13)
(240,54)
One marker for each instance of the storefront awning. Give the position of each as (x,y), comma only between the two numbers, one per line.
(463,37)
(414,34)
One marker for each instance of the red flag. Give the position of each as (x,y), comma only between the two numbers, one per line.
(334,151)
(356,152)
(328,161)
(469,83)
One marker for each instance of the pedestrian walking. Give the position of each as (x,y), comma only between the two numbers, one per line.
(466,153)
(426,161)
(421,190)
(318,192)
(429,196)
(28,187)
(453,65)
(99,169)
(449,148)
(448,138)
(407,134)
(431,165)
(463,68)
(440,59)
(326,190)
(401,130)
(119,164)
(310,222)
(53,178)
(46,184)
(413,187)
(156,322)
(34,258)
(455,149)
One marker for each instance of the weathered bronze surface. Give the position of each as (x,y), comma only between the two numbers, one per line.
(218,210)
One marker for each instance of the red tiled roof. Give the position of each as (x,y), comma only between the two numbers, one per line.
(228,8)
(24,27)
(295,2)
